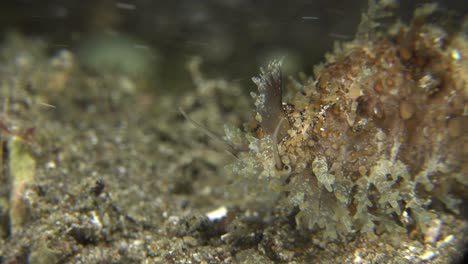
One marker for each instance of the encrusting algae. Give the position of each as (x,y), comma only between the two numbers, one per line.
(376,140)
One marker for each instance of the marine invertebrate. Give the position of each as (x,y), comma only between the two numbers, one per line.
(374,140)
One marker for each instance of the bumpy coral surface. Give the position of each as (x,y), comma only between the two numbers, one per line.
(375,141)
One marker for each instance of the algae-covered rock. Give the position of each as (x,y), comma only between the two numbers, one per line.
(374,137)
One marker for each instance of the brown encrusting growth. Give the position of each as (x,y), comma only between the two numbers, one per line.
(378,138)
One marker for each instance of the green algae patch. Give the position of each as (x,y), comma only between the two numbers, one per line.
(22,168)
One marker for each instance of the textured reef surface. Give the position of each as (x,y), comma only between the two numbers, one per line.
(376,138)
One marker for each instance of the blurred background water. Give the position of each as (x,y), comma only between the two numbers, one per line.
(234,37)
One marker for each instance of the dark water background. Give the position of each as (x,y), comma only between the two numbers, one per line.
(234,37)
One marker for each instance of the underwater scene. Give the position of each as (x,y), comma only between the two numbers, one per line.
(233,131)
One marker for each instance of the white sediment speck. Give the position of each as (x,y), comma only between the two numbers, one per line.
(224,237)
(455,54)
(427,255)
(447,240)
(173,219)
(50,165)
(95,220)
(357,260)
(217,214)
(46,104)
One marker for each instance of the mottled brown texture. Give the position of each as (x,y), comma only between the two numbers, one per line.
(377,139)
